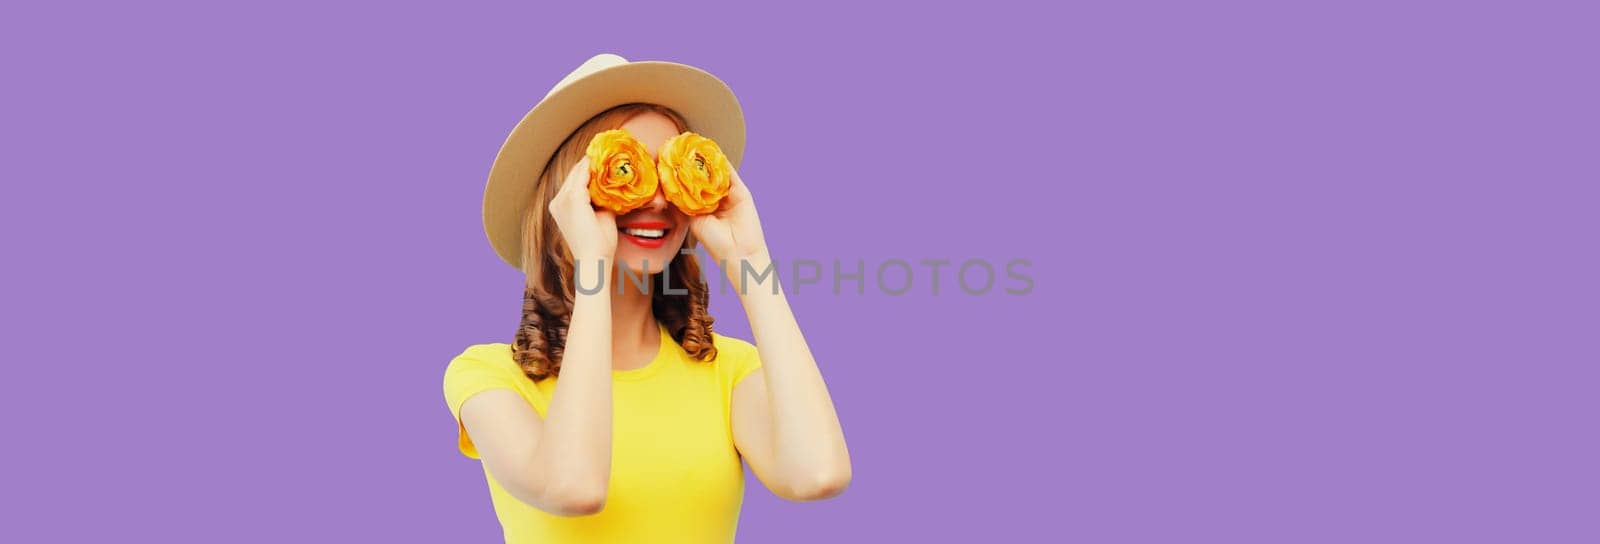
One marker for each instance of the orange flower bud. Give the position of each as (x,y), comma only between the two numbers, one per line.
(695,175)
(621,175)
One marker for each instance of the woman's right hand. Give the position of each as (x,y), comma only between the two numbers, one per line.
(590,233)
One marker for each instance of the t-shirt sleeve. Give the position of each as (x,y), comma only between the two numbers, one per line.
(469,374)
(737,358)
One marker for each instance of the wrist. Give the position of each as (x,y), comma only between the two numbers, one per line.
(757,255)
(591,275)
(752,274)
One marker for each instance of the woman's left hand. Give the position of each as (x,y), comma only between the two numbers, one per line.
(733,232)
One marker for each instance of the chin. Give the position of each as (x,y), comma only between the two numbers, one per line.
(647,260)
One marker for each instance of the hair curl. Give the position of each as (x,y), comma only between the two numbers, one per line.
(547,299)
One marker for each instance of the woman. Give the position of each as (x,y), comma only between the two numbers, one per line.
(617,415)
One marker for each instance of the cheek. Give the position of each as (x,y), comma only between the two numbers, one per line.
(682,220)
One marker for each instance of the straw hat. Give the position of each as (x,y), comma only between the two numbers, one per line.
(600,83)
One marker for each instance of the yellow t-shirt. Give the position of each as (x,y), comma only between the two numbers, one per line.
(675,474)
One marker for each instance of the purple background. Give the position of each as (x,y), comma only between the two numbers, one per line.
(1303,274)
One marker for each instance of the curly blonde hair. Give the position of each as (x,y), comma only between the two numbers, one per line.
(547,300)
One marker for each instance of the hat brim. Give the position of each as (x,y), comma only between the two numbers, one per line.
(704,101)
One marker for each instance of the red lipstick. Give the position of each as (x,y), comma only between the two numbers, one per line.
(647,242)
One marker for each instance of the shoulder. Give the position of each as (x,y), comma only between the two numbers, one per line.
(482,367)
(496,350)
(735,357)
(479,368)
(482,361)
(483,354)
(728,346)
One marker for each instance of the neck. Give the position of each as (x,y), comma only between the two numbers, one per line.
(635,337)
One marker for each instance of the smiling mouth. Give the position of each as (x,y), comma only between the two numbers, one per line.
(648,234)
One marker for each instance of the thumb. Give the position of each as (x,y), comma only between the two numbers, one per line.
(709,230)
(699,225)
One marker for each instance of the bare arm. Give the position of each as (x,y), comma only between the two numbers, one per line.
(562,464)
(784,422)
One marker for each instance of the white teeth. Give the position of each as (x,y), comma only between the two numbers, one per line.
(646,233)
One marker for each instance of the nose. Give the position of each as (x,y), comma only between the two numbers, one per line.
(658,202)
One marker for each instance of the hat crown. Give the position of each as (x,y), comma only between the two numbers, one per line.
(594,64)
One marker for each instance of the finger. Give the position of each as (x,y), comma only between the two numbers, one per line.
(578,177)
(739,188)
(578,195)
